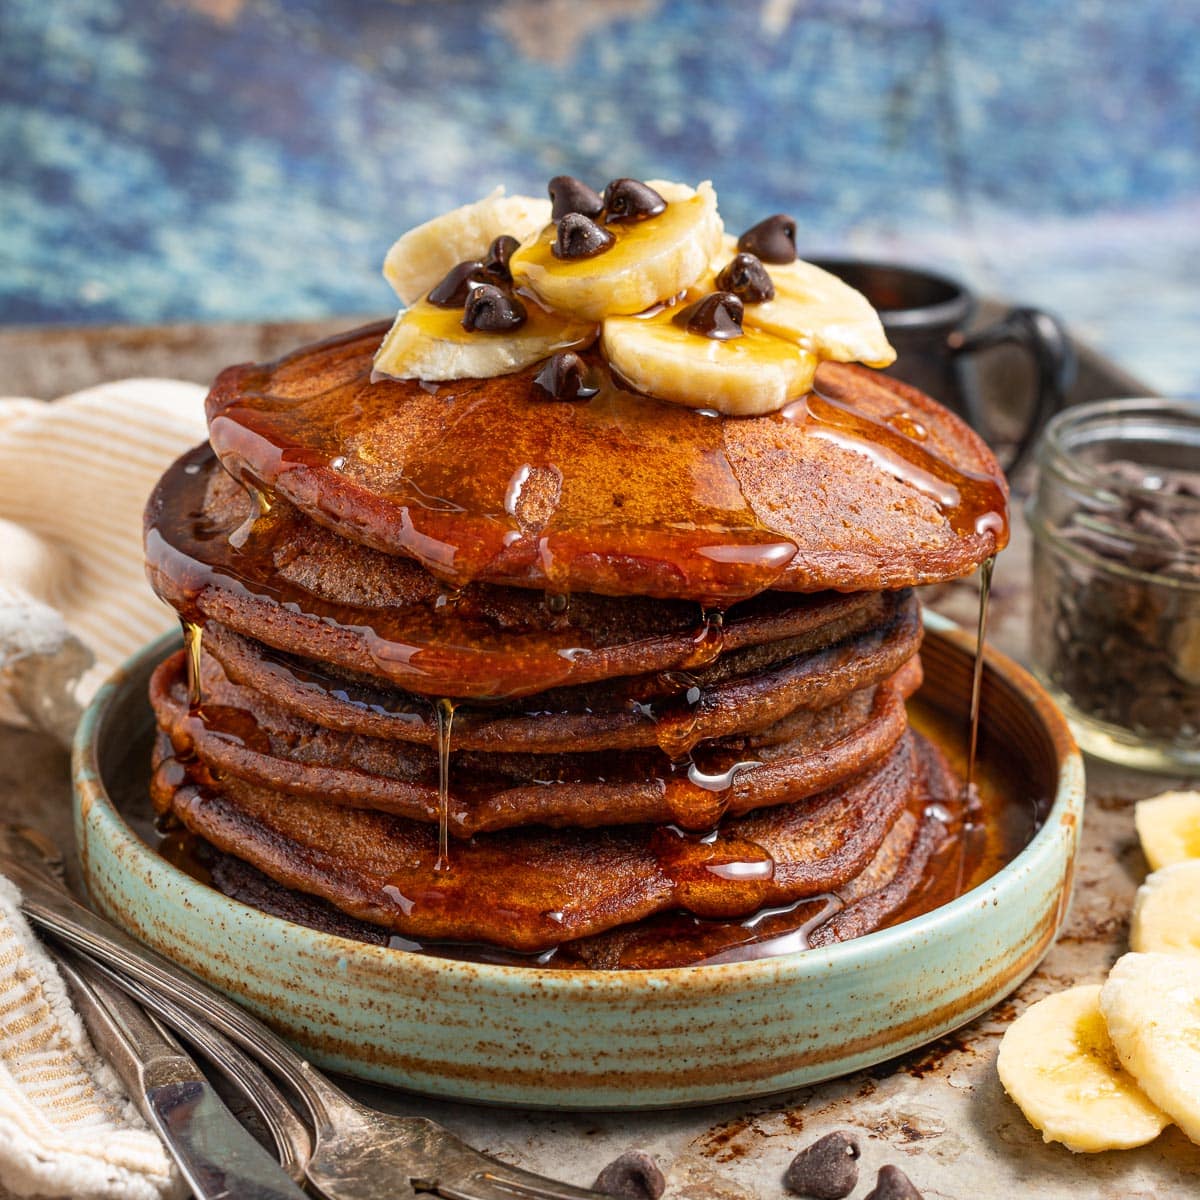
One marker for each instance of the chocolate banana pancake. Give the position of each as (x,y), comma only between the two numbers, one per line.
(863,484)
(572,615)
(900,869)
(543,886)
(282,579)
(240,732)
(740,691)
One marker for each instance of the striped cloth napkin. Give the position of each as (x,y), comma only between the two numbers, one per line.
(74,476)
(74,603)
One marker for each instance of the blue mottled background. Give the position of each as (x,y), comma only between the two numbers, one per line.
(254,158)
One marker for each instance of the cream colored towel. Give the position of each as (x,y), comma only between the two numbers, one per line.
(74,477)
(74,603)
(66,1127)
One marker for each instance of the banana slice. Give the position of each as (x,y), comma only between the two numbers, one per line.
(1151,1004)
(650,261)
(428,342)
(1168,827)
(742,377)
(1166,912)
(1057,1062)
(419,259)
(815,309)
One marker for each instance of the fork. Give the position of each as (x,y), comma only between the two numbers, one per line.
(358,1153)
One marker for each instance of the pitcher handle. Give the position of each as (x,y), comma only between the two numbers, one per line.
(1046,341)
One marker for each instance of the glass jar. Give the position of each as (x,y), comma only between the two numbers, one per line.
(1116,577)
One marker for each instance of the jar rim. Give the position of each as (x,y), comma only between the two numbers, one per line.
(1059,453)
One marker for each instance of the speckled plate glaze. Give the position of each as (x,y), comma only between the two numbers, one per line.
(590,1039)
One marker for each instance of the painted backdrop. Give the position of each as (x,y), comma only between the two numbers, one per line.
(254,158)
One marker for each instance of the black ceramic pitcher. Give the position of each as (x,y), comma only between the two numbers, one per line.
(926,318)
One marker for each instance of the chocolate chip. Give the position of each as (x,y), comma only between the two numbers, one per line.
(495,262)
(571,195)
(827,1170)
(745,276)
(717,316)
(892,1184)
(580,237)
(491,310)
(633,1176)
(454,289)
(772,240)
(564,377)
(631,200)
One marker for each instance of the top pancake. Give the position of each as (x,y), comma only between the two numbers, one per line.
(866,484)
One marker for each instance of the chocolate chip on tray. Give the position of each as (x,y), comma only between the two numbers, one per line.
(632,1176)
(571,195)
(564,377)
(892,1184)
(717,316)
(453,290)
(745,276)
(772,240)
(491,310)
(580,237)
(631,200)
(826,1170)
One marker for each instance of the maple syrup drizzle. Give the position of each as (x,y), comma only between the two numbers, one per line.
(972,502)
(444,710)
(193,634)
(985,592)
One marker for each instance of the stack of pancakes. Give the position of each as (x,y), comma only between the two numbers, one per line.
(606,682)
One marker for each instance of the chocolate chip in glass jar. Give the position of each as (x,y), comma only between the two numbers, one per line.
(747,278)
(717,316)
(631,200)
(564,377)
(632,1176)
(495,262)
(772,240)
(826,1170)
(580,237)
(892,1184)
(457,285)
(571,195)
(489,309)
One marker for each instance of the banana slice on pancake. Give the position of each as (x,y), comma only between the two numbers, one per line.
(1059,1065)
(425,254)
(429,342)
(745,375)
(813,308)
(648,260)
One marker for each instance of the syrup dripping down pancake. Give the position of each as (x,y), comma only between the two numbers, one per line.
(532,888)
(739,692)
(241,733)
(285,581)
(901,867)
(865,485)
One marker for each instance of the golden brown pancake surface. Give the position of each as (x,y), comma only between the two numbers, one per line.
(863,485)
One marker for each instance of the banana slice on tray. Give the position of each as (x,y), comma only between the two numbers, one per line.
(1168,826)
(1166,912)
(425,254)
(1151,1005)
(744,374)
(621,266)
(1058,1063)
